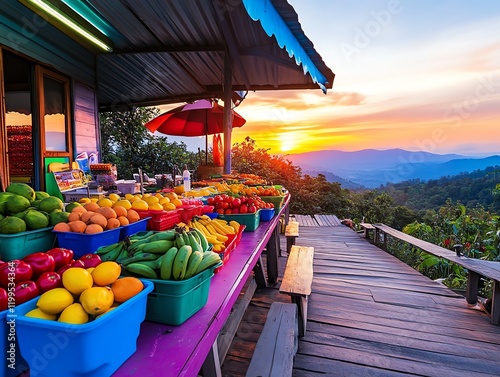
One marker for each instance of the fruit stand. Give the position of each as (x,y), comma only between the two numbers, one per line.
(185,349)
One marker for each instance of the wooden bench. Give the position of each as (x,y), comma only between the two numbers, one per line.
(367,229)
(297,281)
(475,267)
(277,344)
(291,234)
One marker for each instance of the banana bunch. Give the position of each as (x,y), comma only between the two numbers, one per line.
(215,230)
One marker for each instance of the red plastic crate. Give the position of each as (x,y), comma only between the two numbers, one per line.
(160,220)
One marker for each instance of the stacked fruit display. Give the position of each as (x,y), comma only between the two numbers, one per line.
(90,218)
(86,294)
(175,254)
(215,230)
(24,209)
(227,204)
(37,273)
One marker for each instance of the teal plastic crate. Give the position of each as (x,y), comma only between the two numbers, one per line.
(94,349)
(82,243)
(175,309)
(276,200)
(250,220)
(17,246)
(180,287)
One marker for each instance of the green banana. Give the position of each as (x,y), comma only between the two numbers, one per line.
(185,237)
(179,240)
(154,264)
(207,262)
(157,247)
(123,255)
(166,263)
(138,258)
(193,242)
(180,262)
(106,249)
(113,253)
(142,270)
(194,260)
(140,236)
(202,238)
(162,235)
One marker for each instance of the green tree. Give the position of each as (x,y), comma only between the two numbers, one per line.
(129,145)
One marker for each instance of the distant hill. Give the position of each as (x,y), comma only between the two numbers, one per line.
(371,168)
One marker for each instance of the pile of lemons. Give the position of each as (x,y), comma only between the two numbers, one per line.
(86,294)
(168,201)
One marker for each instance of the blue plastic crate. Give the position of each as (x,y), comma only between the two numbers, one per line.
(82,243)
(131,229)
(266,214)
(94,349)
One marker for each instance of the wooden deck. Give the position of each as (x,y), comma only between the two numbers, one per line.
(372,315)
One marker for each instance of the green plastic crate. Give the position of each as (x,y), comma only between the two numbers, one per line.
(172,309)
(17,246)
(250,220)
(276,200)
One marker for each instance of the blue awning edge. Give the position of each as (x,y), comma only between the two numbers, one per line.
(273,24)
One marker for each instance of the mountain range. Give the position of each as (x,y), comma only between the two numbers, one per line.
(371,168)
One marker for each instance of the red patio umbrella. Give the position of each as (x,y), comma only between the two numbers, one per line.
(199,118)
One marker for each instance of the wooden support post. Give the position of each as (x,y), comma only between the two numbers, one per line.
(472,287)
(260,276)
(495,303)
(272,250)
(211,365)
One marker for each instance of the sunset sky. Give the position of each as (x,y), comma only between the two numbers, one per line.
(417,75)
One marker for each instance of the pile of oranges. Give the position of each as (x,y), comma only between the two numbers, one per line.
(90,218)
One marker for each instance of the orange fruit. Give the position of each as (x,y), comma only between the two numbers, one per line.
(123,220)
(62,227)
(132,216)
(79,209)
(91,206)
(93,229)
(112,224)
(77,226)
(73,216)
(125,288)
(107,212)
(99,219)
(120,211)
(85,217)
(106,273)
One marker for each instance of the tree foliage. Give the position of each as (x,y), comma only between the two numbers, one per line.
(129,145)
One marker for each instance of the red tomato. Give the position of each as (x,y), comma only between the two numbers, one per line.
(25,291)
(14,271)
(236,203)
(243,208)
(48,280)
(61,256)
(3,299)
(90,260)
(224,205)
(228,211)
(40,262)
(210,200)
(252,209)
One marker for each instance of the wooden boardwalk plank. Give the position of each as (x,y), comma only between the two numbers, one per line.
(372,315)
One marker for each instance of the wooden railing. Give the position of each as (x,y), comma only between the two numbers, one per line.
(475,267)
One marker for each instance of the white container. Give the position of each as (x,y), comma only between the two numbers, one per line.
(186,178)
(128,186)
